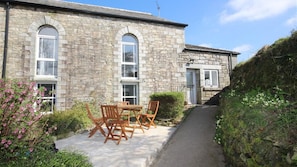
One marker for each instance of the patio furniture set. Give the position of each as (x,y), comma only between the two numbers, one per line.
(117,119)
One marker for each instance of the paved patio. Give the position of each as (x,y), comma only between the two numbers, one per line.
(138,151)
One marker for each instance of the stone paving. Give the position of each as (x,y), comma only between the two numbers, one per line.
(138,151)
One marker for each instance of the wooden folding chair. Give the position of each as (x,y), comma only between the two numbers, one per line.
(147,119)
(111,118)
(98,122)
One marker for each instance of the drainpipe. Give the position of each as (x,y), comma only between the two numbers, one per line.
(230,64)
(5,40)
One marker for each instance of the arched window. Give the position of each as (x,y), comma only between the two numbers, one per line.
(129,56)
(47,56)
(47,65)
(130,68)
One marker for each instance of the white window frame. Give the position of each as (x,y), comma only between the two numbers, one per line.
(210,82)
(52,98)
(133,99)
(53,59)
(134,63)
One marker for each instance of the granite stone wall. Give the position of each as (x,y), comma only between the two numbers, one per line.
(89,62)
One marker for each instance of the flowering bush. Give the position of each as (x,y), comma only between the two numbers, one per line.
(20,130)
(257,128)
(256,98)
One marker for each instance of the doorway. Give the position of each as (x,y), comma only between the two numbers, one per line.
(191,87)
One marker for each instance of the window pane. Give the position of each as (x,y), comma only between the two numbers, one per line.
(48,100)
(207,78)
(130,93)
(214,77)
(128,53)
(129,38)
(129,90)
(129,71)
(49,89)
(47,58)
(46,48)
(190,79)
(48,31)
(46,68)
(129,56)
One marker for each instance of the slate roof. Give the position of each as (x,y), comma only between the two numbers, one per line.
(210,50)
(94,10)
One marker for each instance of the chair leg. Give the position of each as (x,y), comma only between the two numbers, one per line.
(92,132)
(102,131)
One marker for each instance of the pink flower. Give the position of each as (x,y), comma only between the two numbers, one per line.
(31,149)
(6,145)
(30,123)
(11,105)
(20,136)
(3,141)
(22,108)
(16,131)
(3,106)
(9,142)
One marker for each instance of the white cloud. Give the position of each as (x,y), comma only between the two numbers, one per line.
(205,45)
(246,52)
(292,21)
(255,9)
(242,48)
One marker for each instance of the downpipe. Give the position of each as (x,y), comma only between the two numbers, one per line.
(5,40)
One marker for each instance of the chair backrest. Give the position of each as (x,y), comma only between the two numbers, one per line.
(153,107)
(110,112)
(90,115)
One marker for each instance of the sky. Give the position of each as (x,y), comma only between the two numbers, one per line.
(244,26)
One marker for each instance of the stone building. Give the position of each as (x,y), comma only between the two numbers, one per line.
(82,52)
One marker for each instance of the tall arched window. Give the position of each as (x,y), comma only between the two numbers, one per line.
(130,69)
(47,65)
(129,56)
(47,56)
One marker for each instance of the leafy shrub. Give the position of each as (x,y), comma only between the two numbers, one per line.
(257,129)
(171,104)
(71,120)
(20,129)
(46,158)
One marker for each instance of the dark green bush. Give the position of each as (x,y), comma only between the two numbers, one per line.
(257,125)
(171,104)
(257,129)
(47,158)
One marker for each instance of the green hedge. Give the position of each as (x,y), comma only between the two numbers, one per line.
(257,126)
(273,66)
(257,129)
(171,104)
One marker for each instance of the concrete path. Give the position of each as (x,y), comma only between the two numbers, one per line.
(189,145)
(192,144)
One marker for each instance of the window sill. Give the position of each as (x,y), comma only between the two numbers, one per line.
(45,78)
(211,89)
(130,80)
